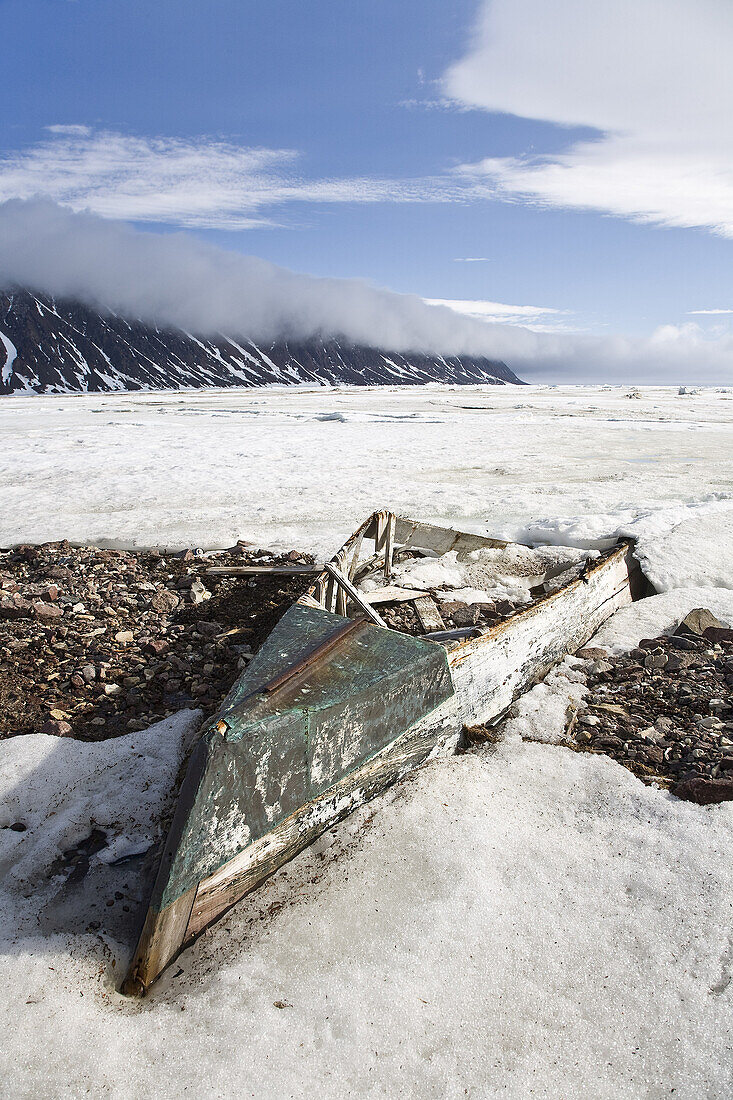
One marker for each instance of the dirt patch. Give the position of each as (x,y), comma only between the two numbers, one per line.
(97,643)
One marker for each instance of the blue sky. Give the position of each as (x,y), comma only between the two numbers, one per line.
(566,154)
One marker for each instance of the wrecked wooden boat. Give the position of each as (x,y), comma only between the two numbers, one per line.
(336,706)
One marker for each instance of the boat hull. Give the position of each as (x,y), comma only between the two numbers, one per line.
(297,747)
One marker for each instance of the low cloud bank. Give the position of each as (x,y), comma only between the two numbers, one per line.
(176,279)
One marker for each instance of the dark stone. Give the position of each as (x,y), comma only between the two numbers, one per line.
(47,610)
(698,621)
(705,792)
(679,641)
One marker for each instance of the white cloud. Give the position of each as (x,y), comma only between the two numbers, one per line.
(652,76)
(472,259)
(193,182)
(708,312)
(177,279)
(534,318)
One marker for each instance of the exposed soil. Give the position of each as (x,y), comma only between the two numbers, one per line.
(96,643)
(665,711)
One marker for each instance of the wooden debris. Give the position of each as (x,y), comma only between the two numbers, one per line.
(392,594)
(356,596)
(428,614)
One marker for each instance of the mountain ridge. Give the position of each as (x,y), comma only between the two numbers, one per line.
(61,345)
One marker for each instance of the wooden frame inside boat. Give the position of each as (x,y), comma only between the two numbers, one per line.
(334,708)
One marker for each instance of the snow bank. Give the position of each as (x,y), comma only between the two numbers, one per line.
(661,614)
(523,922)
(60,789)
(679,545)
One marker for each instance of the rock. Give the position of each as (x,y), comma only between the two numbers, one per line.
(718,634)
(89,673)
(13,606)
(56,727)
(156,646)
(706,792)
(656,660)
(165,601)
(51,593)
(47,611)
(698,621)
(682,642)
(124,637)
(112,689)
(199,592)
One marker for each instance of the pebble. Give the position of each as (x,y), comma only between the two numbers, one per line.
(666,717)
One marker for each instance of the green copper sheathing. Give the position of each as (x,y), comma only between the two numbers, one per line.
(281,750)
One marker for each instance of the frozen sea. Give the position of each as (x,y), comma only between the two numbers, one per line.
(302,467)
(525,922)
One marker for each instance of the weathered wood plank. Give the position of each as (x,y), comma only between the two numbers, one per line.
(409,532)
(392,594)
(356,596)
(389,545)
(162,937)
(490,671)
(428,613)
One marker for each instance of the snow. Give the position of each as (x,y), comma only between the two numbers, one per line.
(523,922)
(483,575)
(57,787)
(567,464)
(11,354)
(660,615)
(517,921)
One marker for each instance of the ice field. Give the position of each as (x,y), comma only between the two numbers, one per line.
(522,922)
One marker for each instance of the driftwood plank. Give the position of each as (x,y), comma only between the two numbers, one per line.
(389,546)
(409,532)
(428,613)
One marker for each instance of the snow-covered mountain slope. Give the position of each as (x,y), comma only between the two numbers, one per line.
(54,345)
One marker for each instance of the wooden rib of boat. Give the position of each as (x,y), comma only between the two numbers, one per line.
(334,708)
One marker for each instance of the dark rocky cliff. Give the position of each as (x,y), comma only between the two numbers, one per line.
(54,345)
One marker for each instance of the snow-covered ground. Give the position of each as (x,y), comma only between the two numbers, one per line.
(302,468)
(520,922)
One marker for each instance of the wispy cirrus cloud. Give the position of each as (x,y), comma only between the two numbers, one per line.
(652,77)
(200,182)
